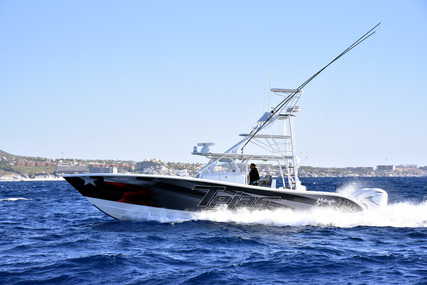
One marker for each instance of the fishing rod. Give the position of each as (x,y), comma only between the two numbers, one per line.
(288,98)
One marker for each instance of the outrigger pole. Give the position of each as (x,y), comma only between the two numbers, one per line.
(279,106)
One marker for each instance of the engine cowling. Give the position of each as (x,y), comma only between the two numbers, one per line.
(372,198)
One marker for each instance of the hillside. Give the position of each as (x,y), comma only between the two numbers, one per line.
(8,169)
(6,154)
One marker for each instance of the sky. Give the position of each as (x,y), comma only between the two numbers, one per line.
(130,80)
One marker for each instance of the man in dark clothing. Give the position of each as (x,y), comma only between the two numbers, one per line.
(253,175)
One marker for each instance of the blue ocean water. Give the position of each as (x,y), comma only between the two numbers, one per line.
(50,234)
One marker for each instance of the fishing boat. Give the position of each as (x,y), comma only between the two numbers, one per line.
(223,183)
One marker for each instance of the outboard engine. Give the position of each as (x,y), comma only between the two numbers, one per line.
(372,198)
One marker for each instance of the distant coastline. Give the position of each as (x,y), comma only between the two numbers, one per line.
(21,168)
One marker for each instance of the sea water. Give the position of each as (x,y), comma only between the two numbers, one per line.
(50,234)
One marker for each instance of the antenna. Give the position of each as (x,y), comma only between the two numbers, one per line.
(280,106)
(265,85)
(269,87)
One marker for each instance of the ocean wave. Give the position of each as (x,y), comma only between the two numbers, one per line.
(14,199)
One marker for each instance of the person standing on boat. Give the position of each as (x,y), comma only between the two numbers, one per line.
(253,175)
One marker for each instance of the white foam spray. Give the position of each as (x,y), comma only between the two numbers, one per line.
(349,188)
(394,215)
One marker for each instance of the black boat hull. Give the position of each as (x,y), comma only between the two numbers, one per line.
(126,196)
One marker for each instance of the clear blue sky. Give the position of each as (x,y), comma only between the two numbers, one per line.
(150,79)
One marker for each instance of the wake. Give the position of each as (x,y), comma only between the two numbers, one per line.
(395,215)
(399,215)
